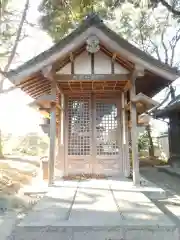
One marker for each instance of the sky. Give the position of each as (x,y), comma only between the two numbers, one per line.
(16,117)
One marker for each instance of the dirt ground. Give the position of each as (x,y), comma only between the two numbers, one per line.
(15,173)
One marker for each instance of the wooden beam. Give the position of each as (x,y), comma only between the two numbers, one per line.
(30,81)
(134,139)
(35,85)
(78,90)
(49,74)
(63,126)
(40,91)
(52,145)
(120,60)
(126,147)
(125,141)
(123,116)
(72,63)
(44,109)
(37,89)
(92,63)
(91,77)
(122,137)
(125,137)
(93,132)
(62,119)
(113,59)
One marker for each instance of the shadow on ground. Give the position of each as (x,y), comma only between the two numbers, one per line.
(171,204)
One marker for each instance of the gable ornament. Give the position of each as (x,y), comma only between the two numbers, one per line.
(92,44)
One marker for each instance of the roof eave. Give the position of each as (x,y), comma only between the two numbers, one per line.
(75,39)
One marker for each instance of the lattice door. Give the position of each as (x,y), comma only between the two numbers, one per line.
(106,128)
(107,135)
(100,155)
(79,134)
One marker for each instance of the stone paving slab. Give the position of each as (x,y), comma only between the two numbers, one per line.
(7,223)
(94,207)
(98,210)
(134,205)
(146,187)
(54,207)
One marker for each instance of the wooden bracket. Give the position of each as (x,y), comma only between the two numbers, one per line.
(127,86)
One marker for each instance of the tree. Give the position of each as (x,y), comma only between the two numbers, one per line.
(151,30)
(173,6)
(150,26)
(150,140)
(10,36)
(143,142)
(61,17)
(31,144)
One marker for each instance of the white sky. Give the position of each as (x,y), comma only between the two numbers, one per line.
(16,117)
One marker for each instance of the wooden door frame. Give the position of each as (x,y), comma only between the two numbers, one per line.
(93,158)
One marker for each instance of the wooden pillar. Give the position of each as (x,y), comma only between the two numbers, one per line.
(134,140)
(125,142)
(93,127)
(58,164)
(62,119)
(52,145)
(127,173)
(62,136)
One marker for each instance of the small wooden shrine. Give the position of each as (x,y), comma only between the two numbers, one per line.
(93,84)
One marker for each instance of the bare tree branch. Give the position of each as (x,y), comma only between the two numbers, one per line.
(18,36)
(2,9)
(156,50)
(142,39)
(169,7)
(164,46)
(173,45)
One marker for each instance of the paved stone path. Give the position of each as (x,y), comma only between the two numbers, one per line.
(98,210)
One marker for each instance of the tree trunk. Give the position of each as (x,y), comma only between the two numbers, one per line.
(151,145)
